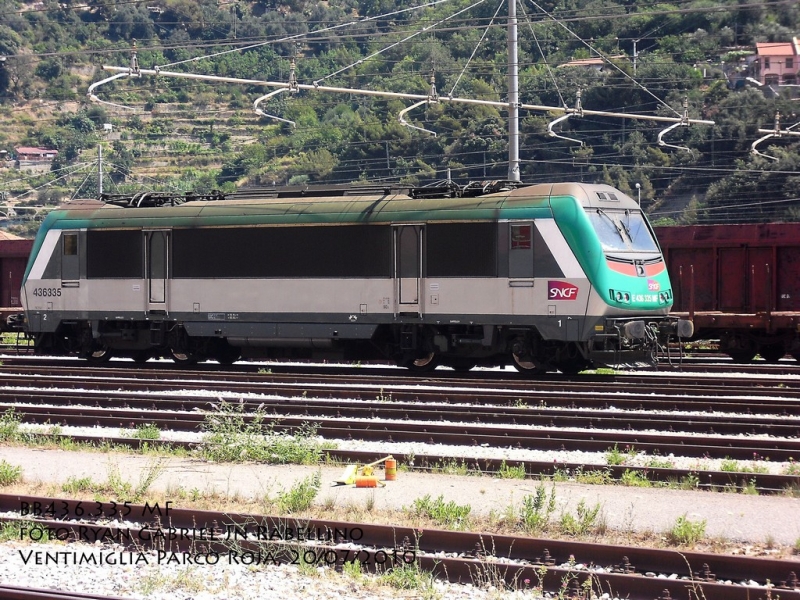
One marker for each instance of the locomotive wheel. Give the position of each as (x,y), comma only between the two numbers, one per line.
(100,355)
(772,354)
(422,364)
(183,359)
(463,367)
(573,366)
(228,356)
(527,366)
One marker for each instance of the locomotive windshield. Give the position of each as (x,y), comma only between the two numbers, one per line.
(620,230)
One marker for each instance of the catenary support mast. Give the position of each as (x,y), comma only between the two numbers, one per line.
(513,94)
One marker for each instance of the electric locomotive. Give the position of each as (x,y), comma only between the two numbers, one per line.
(547,276)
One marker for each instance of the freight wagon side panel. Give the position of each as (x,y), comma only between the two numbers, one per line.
(693,268)
(761,275)
(738,269)
(732,279)
(787,294)
(12,270)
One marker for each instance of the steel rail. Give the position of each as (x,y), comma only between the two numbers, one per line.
(597,419)
(671,382)
(628,570)
(756,400)
(12,592)
(450,434)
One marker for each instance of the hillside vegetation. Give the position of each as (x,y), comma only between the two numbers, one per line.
(189,135)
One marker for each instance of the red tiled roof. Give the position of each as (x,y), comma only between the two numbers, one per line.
(775,48)
(34,150)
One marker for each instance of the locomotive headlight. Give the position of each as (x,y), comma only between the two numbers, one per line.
(620,296)
(665,297)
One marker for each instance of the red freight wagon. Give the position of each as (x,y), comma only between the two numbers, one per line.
(739,284)
(14,253)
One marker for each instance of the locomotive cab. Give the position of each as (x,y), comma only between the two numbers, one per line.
(614,242)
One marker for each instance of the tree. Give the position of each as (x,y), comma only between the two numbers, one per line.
(19,70)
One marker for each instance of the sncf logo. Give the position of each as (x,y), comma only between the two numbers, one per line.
(561,290)
(653,285)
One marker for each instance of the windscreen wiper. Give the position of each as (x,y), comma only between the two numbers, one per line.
(617,228)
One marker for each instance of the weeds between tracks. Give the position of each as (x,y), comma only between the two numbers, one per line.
(232,435)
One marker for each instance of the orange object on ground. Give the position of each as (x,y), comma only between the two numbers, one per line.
(363,481)
(390,467)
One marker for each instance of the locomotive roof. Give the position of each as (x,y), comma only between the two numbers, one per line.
(521,203)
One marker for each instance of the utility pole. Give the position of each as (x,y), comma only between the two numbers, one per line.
(99,171)
(513,94)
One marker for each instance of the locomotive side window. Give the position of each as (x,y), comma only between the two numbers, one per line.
(520,255)
(70,244)
(521,237)
(461,250)
(529,254)
(311,251)
(114,254)
(70,265)
(157,265)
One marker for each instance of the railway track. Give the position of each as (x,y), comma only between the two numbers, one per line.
(650,392)
(554,413)
(515,561)
(389,409)
(692,363)
(359,405)
(431,432)
(13,592)
(538,416)
(765,483)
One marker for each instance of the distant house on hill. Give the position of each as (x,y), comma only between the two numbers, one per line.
(777,63)
(34,159)
(593,64)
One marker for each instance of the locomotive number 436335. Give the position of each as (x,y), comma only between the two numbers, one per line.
(43,292)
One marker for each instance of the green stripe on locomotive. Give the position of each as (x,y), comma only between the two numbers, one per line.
(295,211)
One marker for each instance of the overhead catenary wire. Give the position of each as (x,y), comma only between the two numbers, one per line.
(302,35)
(390,46)
(68,168)
(582,129)
(379,93)
(477,46)
(72,170)
(604,57)
(544,57)
(512,105)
